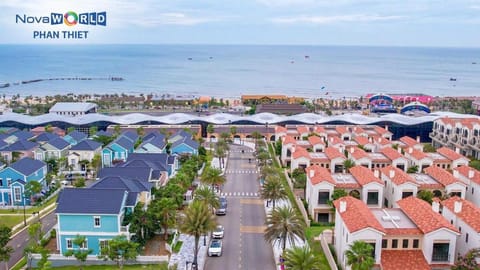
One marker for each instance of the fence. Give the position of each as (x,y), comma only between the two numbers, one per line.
(298,201)
(327,252)
(59,260)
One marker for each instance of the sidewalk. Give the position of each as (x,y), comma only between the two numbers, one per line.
(277,248)
(216,164)
(186,253)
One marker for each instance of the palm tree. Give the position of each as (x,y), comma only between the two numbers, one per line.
(273,189)
(348,164)
(197,220)
(233,131)
(165,211)
(210,131)
(359,256)
(284,224)
(256,135)
(412,169)
(212,176)
(207,196)
(221,151)
(268,170)
(225,136)
(301,258)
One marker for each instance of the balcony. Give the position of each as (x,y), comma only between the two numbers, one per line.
(125,229)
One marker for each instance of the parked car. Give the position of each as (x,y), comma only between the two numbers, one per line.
(218,232)
(222,210)
(215,248)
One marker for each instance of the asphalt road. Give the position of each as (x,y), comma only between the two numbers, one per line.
(20,241)
(243,244)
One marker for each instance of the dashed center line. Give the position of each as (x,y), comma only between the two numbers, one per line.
(252,229)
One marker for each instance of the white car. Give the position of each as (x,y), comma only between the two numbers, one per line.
(215,248)
(218,232)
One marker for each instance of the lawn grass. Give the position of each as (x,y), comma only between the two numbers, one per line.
(311,233)
(19,209)
(11,221)
(21,264)
(114,267)
(177,247)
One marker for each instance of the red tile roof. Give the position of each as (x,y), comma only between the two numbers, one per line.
(403,259)
(464,170)
(357,215)
(382,140)
(303,129)
(333,152)
(416,154)
(333,140)
(421,213)
(408,141)
(300,152)
(400,176)
(357,153)
(320,175)
(364,175)
(403,231)
(470,214)
(448,120)
(319,129)
(342,129)
(391,153)
(449,153)
(314,140)
(381,130)
(362,140)
(358,130)
(279,129)
(288,139)
(441,175)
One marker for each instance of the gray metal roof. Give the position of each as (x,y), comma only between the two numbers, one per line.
(77,135)
(90,201)
(72,107)
(139,173)
(186,140)
(27,165)
(21,145)
(86,145)
(58,143)
(45,137)
(23,135)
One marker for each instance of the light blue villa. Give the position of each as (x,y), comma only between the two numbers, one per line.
(152,144)
(94,213)
(14,178)
(75,137)
(185,146)
(117,151)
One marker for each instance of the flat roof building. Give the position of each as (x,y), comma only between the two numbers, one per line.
(73,108)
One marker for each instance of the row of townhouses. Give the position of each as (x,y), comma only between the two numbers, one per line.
(461,133)
(382,207)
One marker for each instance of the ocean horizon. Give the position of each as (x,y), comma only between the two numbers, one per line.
(234,70)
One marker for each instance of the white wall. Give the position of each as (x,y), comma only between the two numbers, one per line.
(372,187)
(439,235)
(473,237)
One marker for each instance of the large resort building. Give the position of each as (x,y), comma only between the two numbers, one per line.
(461,134)
(73,108)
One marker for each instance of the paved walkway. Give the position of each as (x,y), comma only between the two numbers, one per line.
(277,248)
(186,253)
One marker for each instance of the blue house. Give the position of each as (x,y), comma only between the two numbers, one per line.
(179,135)
(185,145)
(157,162)
(75,137)
(103,133)
(117,151)
(154,144)
(14,178)
(96,213)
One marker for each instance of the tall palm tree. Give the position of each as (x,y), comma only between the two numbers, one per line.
(165,211)
(210,131)
(268,170)
(284,224)
(273,189)
(233,131)
(212,176)
(359,256)
(197,220)
(256,135)
(207,196)
(301,258)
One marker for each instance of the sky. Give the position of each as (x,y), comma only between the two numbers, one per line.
(438,23)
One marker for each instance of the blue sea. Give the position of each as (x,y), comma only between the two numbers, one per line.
(230,71)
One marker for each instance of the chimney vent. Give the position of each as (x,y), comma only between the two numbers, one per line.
(456,174)
(457,150)
(391,174)
(312,173)
(376,173)
(343,206)
(418,139)
(436,207)
(471,173)
(457,207)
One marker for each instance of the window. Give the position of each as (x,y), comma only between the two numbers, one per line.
(440,252)
(103,244)
(415,243)
(84,244)
(384,243)
(373,250)
(9,181)
(372,198)
(466,238)
(18,194)
(405,243)
(69,243)
(395,243)
(460,229)
(96,221)
(473,190)
(322,217)
(323,197)
(407,194)
(1,182)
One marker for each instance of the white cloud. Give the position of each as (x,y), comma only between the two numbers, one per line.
(334,19)
(174,18)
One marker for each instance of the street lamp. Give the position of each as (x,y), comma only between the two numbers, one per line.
(24,215)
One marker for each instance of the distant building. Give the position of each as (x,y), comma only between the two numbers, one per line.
(476,106)
(460,134)
(270,99)
(73,108)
